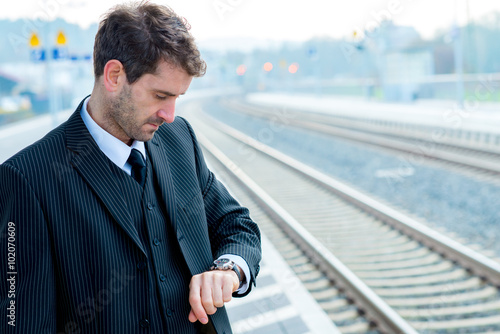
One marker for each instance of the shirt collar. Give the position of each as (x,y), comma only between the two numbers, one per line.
(116,150)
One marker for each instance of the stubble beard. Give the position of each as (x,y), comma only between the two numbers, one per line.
(123,111)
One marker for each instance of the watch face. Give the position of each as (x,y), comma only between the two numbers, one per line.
(224,264)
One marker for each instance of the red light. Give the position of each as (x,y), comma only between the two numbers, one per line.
(293,68)
(241,70)
(268,67)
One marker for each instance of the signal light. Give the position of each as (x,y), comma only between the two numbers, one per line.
(293,68)
(241,70)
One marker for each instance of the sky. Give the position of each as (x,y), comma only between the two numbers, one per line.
(291,20)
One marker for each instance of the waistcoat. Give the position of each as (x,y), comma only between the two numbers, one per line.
(167,273)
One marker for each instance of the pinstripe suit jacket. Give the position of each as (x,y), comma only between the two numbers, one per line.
(76,248)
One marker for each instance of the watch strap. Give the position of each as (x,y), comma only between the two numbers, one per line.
(237,271)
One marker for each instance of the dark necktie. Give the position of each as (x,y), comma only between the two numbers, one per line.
(138,166)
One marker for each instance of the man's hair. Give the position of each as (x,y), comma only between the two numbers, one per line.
(142,34)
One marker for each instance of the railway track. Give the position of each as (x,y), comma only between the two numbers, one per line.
(479,151)
(371,268)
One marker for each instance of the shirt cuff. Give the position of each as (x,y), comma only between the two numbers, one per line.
(243,265)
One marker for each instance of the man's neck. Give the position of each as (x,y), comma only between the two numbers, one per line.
(97,114)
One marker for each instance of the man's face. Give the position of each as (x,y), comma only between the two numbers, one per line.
(140,108)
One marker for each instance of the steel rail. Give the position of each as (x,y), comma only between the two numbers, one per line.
(376,309)
(425,148)
(472,260)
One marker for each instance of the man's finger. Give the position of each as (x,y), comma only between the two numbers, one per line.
(195,301)
(217,295)
(227,292)
(191,316)
(207,287)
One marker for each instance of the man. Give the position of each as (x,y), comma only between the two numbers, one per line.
(111,223)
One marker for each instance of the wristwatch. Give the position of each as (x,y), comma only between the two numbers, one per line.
(226,264)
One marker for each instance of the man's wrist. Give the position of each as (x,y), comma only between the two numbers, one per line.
(244,270)
(227,264)
(236,278)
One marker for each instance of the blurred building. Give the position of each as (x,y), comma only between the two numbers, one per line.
(12,105)
(7,84)
(405,62)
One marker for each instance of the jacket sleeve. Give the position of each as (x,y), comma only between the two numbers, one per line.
(230,227)
(27,277)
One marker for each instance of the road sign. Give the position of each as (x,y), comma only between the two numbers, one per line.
(37,54)
(60,53)
(34,41)
(61,39)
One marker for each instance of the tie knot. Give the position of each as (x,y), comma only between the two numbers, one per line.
(136,159)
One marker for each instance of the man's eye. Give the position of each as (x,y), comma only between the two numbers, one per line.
(161,97)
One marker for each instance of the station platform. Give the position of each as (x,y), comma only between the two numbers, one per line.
(279,304)
(476,115)
(15,136)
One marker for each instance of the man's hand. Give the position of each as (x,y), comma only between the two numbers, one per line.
(210,290)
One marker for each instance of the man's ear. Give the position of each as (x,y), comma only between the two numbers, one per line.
(114,75)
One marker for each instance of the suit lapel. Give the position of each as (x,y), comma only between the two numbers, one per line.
(189,237)
(161,168)
(94,168)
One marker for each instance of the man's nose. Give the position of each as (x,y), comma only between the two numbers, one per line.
(167,111)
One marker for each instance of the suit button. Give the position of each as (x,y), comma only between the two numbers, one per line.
(150,206)
(169,312)
(144,323)
(156,241)
(141,265)
(162,278)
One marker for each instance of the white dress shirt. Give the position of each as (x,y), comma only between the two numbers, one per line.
(118,152)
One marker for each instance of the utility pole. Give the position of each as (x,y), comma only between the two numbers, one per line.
(459,58)
(52,94)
